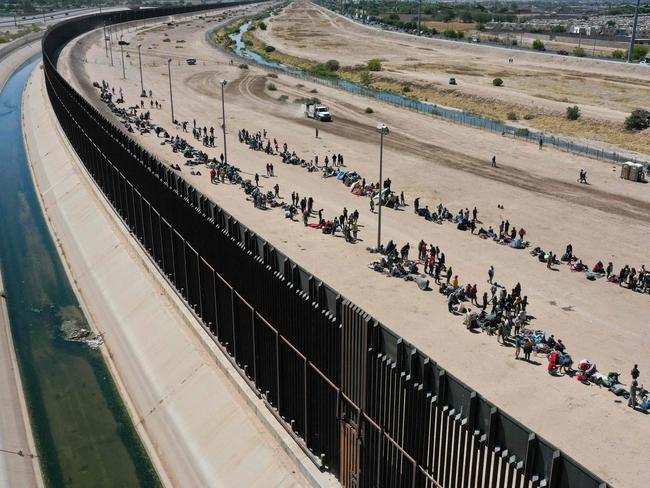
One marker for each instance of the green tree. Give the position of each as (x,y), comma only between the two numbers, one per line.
(573,113)
(618,54)
(497,82)
(262,25)
(640,51)
(374,65)
(639,119)
(450,33)
(538,45)
(333,65)
(365,78)
(466,17)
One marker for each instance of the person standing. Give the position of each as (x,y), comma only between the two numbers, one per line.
(494,161)
(541,143)
(316,132)
(635,372)
(491,274)
(257,179)
(633,389)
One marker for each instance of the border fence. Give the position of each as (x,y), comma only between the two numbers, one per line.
(457,116)
(363,403)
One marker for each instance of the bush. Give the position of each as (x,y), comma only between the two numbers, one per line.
(271,75)
(300,85)
(450,33)
(307,100)
(618,54)
(243,66)
(406,89)
(640,51)
(262,25)
(573,113)
(283,98)
(512,116)
(314,90)
(271,87)
(639,119)
(269,49)
(365,78)
(333,65)
(538,45)
(322,71)
(369,110)
(374,65)
(497,82)
(529,117)
(579,52)
(522,132)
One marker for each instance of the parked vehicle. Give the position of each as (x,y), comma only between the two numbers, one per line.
(562,52)
(452,81)
(191,61)
(123,43)
(317,112)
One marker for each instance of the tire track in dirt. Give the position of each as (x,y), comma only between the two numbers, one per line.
(252,87)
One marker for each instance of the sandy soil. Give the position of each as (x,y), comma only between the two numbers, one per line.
(18,458)
(607,220)
(200,422)
(536,84)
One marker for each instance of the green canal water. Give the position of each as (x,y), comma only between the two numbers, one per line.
(83,433)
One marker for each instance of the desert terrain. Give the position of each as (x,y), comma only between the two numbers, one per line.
(607,220)
(537,87)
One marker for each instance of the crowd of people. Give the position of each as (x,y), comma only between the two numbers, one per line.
(497,311)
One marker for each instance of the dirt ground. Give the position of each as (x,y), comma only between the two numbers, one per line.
(535,84)
(608,220)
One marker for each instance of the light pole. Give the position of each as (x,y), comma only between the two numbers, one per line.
(171,95)
(110,43)
(105,40)
(633,37)
(122,51)
(142,92)
(223,120)
(382,129)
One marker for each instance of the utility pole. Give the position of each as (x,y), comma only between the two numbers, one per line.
(223,121)
(419,11)
(382,129)
(122,51)
(633,38)
(142,92)
(110,43)
(105,40)
(171,95)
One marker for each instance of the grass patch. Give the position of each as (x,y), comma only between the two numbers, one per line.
(9,36)
(307,100)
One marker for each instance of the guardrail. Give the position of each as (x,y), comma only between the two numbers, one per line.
(366,405)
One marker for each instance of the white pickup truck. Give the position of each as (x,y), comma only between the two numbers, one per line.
(318,112)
